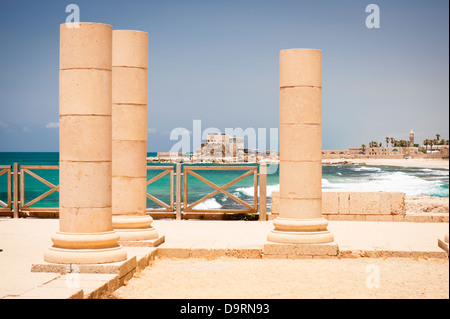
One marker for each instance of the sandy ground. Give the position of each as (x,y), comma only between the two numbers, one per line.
(361,278)
(426,204)
(228,278)
(412,162)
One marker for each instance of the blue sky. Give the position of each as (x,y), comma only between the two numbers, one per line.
(217,61)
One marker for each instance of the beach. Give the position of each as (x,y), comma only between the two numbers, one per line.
(412,162)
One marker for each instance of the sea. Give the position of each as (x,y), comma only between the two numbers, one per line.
(336,177)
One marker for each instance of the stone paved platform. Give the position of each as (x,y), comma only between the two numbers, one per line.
(23,242)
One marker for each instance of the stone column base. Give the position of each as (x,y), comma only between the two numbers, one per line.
(134,227)
(85,256)
(85,248)
(300,231)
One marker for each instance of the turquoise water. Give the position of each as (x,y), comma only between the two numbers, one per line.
(411,180)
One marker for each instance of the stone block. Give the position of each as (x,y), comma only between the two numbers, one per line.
(304,185)
(82,138)
(207,253)
(398,203)
(43,292)
(129,158)
(253,252)
(300,67)
(330,203)
(364,203)
(344,203)
(86,92)
(130,48)
(300,142)
(129,122)
(86,47)
(129,85)
(173,252)
(307,208)
(85,184)
(128,195)
(301,105)
(328,249)
(385,203)
(275,203)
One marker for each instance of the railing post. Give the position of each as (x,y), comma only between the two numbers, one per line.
(16,190)
(263,192)
(178,192)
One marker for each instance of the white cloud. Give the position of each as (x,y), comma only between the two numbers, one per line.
(52,125)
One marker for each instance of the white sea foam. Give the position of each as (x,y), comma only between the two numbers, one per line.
(210,203)
(389,182)
(366,168)
(376,180)
(249,191)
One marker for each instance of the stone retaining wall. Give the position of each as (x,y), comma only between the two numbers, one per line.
(351,204)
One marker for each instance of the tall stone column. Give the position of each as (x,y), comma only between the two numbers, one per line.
(300,220)
(85,233)
(129,136)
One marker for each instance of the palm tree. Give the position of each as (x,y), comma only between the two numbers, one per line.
(438,136)
(426,143)
(363,146)
(388,139)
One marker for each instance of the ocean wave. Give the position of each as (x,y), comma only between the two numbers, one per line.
(210,203)
(435,172)
(391,182)
(249,191)
(366,168)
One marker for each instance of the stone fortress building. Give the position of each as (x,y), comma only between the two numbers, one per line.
(220,146)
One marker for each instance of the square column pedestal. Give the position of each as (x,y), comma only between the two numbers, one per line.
(300,229)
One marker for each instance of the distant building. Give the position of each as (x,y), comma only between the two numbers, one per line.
(172,157)
(411,138)
(220,147)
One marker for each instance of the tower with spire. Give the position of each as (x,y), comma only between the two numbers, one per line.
(411,138)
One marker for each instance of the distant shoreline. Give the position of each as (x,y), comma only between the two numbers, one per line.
(412,162)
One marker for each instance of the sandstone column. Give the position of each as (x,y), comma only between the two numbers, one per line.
(300,220)
(129,136)
(85,233)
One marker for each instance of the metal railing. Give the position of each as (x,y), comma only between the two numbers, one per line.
(17,205)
